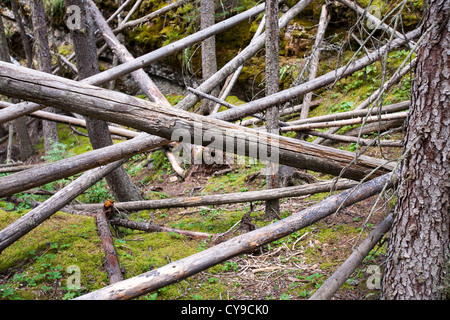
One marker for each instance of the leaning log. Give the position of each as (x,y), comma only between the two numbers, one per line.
(72,121)
(228,198)
(104,233)
(340,123)
(49,172)
(183,268)
(333,283)
(179,125)
(25,108)
(258,105)
(45,210)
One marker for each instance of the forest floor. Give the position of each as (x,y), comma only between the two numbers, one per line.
(38,265)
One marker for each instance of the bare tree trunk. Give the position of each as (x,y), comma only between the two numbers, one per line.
(50,129)
(418,254)
(209,62)
(18,125)
(315,57)
(25,41)
(272,86)
(121,185)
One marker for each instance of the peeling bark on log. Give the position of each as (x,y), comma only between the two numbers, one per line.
(228,198)
(183,268)
(111,260)
(45,210)
(333,283)
(166,122)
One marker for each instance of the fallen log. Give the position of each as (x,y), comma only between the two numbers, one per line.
(72,121)
(340,123)
(176,125)
(360,141)
(151,227)
(333,283)
(396,77)
(228,198)
(256,106)
(183,268)
(256,44)
(401,106)
(49,172)
(123,69)
(104,233)
(45,210)
(140,76)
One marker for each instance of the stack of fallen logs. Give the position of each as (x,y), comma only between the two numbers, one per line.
(157,124)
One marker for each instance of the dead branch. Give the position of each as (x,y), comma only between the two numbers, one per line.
(323,22)
(340,123)
(228,198)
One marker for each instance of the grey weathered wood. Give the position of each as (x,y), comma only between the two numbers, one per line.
(183,268)
(140,76)
(111,259)
(360,141)
(42,174)
(72,121)
(314,60)
(401,106)
(165,122)
(328,78)
(45,210)
(218,199)
(190,100)
(340,123)
(143,61)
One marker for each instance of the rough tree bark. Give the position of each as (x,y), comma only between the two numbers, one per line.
(50,129)
(209,61)
(272,45)
(121,185)
(418,254)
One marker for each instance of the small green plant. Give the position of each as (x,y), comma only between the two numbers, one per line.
(230,266)
(58,152)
